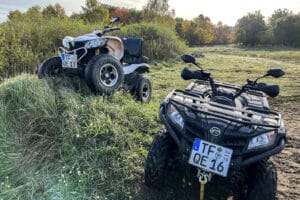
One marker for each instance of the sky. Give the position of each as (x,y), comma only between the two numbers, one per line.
(227,11)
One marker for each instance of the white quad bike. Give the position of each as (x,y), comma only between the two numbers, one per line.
(105,62)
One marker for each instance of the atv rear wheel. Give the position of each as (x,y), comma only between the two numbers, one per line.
(144,90)
(50,67)
(104,74)
(262,181)
(158,160)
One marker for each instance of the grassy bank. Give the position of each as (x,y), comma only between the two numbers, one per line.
(59,141)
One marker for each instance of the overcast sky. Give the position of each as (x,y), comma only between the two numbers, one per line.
(227,11)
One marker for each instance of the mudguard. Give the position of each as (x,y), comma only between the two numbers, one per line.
(115,46)
(141,68)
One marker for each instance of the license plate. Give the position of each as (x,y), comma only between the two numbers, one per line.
(210,157)
(69,60)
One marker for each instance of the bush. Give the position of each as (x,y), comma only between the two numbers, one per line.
(25,42)
(160,41)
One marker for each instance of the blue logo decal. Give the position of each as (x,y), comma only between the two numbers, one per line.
(196,146)
(63,56)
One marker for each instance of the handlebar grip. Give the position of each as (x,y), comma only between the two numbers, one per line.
(187,74)
(270,90)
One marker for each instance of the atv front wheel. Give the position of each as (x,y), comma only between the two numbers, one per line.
(104,74)
(144,90)
(262,181)
(50,67)
(159,157)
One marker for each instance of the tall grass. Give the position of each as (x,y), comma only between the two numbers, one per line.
(58,144)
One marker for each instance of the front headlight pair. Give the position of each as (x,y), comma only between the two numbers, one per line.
(175,116)
(263,140)
(95,43)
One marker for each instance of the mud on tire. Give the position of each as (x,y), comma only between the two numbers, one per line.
(157,163)
(50,67)
(104,74)
(262,181)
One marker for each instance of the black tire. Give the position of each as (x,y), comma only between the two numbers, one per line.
(50,67)
(144,90)
(104,74)
(262,181)
(158,160)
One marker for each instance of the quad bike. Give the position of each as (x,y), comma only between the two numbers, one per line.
(105,62)
(219,133)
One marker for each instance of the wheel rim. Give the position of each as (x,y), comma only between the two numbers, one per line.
(108,75)
(55,71)
(145,91)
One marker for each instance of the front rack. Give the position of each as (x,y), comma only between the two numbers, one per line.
(246,115)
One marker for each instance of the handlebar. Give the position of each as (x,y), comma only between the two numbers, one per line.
(270,90)
(105,30)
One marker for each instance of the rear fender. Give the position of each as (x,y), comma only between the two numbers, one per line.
(140,68)
(115,46)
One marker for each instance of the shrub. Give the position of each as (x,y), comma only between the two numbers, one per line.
(25,42)
(160,42)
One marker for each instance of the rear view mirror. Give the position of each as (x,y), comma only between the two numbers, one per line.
(115,19)
(188,59)
(275,73)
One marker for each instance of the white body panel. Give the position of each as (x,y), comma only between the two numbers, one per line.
(131,68)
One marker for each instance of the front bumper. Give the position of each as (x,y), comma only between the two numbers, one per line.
(237,162)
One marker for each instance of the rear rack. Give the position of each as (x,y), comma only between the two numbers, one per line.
(247,116)
(222,84)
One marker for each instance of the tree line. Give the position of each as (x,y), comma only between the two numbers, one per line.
(282,28)
(27,38)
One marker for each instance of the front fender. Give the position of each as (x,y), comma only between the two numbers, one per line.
(141,68)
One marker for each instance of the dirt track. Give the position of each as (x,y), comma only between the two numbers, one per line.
(288,161)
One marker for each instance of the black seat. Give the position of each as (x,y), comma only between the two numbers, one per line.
(133,46)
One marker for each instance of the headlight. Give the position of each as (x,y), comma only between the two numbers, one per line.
(175,116)
(263,140)
(95,43)
(66,41)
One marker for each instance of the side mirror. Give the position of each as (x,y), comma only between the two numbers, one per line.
(275,73)
(188,59)
(115,19)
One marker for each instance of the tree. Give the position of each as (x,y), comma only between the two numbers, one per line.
(159,11)
(94,11)
(178,27)
(197,31)
(15,15)
(54,11)
(250,29)
(222,34)
(279,13)
(126,15)
(287,30)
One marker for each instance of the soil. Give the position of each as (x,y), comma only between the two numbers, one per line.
(287,162)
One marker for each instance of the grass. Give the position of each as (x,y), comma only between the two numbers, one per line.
(59,141)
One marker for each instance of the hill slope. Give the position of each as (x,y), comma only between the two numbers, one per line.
(58,141)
